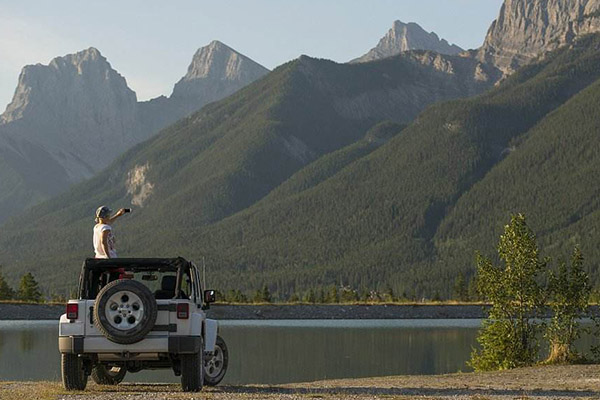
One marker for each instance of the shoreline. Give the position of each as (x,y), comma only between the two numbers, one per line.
(24,311)
(540,382)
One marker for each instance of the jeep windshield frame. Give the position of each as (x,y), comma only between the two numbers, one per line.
(92,268)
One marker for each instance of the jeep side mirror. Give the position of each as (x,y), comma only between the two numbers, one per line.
(210,296)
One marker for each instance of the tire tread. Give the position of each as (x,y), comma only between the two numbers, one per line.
(192,371)
(73,375)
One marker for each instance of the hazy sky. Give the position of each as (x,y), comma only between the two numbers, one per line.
(151,43)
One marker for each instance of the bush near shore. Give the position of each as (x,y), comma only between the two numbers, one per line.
(521,290)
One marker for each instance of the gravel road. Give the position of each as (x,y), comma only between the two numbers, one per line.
(550,382)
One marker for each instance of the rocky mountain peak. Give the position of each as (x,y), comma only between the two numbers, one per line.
(219,61)
(404,37)
(526,29)
(88,55)
(75,77)
(216,71)
(77,108)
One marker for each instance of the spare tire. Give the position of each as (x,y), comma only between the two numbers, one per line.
(125,311)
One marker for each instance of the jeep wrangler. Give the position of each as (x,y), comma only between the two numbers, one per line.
(135,314)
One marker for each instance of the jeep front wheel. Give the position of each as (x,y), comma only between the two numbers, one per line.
(125,311)
(73,372)
(103,375)
(215,365)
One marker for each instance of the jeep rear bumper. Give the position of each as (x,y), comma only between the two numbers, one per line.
(152,344)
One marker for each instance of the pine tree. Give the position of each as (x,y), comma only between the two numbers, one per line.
(472,293)
(6,292)
(29,289)
(310,297)
(332,295)
(262,295)
(389,294)
(460,289)
(321,299)
(266,294)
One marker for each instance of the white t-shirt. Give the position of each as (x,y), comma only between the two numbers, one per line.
(98,248)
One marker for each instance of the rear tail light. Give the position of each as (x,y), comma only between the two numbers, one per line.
(183,310)
(72,311)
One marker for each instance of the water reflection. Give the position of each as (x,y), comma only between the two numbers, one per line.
(279,351)
(272,352)
(29,350)
(279,355)
(26,341)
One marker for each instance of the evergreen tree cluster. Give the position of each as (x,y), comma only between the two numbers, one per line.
(330,294)
(29,289)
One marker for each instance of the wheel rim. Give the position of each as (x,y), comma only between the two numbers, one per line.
(124,310)
(214,365)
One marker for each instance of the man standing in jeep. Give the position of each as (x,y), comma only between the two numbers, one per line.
(104,239)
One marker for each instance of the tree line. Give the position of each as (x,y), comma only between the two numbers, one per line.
(331,294)
(29,289)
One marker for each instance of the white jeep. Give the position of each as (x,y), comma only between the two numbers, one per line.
(135,314)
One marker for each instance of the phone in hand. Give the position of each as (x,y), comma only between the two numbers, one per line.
(127,210)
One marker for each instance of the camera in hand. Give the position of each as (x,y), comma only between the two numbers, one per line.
(127,210)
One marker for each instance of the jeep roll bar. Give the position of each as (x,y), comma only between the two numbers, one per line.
(91,265)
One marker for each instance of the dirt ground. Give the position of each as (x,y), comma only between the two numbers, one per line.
(550,382)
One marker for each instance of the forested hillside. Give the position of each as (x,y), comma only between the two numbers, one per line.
(384,218)
(231,154)
(551,174)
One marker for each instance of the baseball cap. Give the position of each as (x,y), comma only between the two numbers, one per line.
(103,212)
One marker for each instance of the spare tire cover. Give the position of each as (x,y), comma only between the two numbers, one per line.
(125,311)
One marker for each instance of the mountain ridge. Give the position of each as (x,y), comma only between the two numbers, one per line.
(234,152)
(77,114)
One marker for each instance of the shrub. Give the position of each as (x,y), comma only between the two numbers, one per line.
(569,292)
(508,337)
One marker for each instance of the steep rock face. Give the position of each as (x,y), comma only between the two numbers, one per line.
(69,119)
(526,29)
(449,77)
(216,72)
(404,37)
(77,109)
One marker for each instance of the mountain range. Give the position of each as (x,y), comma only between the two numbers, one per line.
(384,172)
(70,119)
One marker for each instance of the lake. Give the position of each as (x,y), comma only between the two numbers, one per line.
(270,352)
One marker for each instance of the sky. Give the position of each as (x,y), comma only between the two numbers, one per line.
(151,42)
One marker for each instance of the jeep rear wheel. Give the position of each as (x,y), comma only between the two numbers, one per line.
(215,365)
(103,375)
(125,311)
(72,371)
(192,371)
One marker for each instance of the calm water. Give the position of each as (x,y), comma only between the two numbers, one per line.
(279,351)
